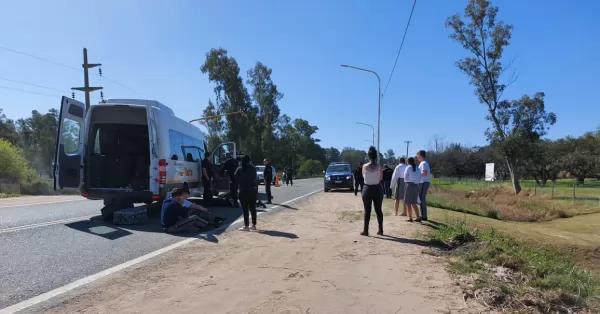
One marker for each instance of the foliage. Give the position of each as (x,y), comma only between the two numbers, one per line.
(13,166)
(353,156)
(511,275)
(515,124)
(261,130)
(311,167)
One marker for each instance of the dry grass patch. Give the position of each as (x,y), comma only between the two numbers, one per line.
(500,202)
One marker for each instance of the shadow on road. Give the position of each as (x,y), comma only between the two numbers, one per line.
(280,234)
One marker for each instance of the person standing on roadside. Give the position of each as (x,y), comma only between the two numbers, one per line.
(231,164)
(268,176)
(425,179)
(412,179)
(358,178)
(398,183)
(372,193)
(247,179)
(207,175)
(290,177)
(387,181)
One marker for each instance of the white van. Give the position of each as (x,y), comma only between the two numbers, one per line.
(128,151)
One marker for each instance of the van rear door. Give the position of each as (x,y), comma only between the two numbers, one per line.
(69,144)
(153,137)
(218,155)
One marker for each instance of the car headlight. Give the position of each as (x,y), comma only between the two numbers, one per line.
(348,177)
(327,178)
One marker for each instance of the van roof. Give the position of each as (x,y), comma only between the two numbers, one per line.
(141,102)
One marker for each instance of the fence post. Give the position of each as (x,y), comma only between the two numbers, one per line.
(552,195)
(574,191)
(534,188)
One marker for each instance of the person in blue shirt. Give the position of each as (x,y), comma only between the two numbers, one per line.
(179,215)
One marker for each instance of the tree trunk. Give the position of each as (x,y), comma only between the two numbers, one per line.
(514,176)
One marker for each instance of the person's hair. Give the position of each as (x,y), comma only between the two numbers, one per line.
(372,154)
(176,192)
(245,161)
(402,160)
(422,153)
(207,154)
(411,162)
(385,166)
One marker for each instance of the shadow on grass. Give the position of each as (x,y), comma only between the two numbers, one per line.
(428,244)
(434,224)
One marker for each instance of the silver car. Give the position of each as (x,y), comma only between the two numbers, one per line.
(260,171)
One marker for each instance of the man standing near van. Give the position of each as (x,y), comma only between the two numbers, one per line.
(268,176)
(207,175)
(359,181)
(425,177)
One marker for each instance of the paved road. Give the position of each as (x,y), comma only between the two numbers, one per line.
(45,245)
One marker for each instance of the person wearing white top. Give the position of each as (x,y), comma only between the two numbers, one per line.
(424,186)
(398,183)
(372,193)
(412,177)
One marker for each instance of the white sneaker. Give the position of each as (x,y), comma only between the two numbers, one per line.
(244,229)
(253,228)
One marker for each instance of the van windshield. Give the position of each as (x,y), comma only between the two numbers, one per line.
(260,168)
(338,168)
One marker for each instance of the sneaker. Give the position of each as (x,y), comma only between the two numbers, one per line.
(245,229)
(253,228)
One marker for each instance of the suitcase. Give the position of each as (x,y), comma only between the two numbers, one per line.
(131,216)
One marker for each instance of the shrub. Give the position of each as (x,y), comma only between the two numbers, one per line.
(13,165)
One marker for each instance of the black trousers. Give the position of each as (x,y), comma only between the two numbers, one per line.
(248,200)
(373,195)
(233,189)
(208,193)
(358,183)
(268,188)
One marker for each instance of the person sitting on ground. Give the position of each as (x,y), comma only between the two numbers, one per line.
(178,214)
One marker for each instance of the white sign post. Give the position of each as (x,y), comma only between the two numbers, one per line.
(489,172)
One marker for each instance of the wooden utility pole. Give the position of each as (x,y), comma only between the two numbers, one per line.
(86,79)
(407,143)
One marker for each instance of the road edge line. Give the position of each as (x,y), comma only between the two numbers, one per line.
(86,280)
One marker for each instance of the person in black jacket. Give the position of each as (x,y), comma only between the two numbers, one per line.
(268,176)
(229,168)
(207,175)
(247,179)
(387,181)
(358,178)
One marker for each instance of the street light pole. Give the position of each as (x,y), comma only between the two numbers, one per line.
(371,128)
(378,100)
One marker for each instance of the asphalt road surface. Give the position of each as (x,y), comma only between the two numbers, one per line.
(48,242)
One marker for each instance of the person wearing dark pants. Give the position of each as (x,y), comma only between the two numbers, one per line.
(207,175)
(358,179)
(268,176)
(387,181)
(290,176)
(372,193)
(424,185)
(229,168)
(174,216)
(247,179)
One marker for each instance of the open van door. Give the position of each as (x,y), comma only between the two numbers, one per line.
(218,156)
(69,144)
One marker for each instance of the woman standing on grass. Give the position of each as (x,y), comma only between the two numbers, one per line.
(247,179)
(372,192)
(412,178)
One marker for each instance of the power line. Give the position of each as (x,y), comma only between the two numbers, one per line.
(35,85)
(73,68)
(29,92)
(401,44)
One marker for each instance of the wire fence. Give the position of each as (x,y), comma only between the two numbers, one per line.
(563,189)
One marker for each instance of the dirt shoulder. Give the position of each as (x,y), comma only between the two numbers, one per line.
(309,259)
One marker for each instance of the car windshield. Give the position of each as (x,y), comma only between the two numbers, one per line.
(338,168)
(260,168)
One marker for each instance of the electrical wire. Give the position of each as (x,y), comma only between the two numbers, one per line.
(73,68)
(400,49)
(35,85)
(29,92)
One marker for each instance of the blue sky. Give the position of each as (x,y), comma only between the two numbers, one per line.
(156,48)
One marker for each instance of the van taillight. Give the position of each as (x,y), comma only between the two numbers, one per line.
(162,171)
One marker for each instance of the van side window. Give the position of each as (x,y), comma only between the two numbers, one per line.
(97,142)
(192,154)
(176,142)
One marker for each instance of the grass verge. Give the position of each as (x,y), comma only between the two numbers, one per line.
(500,202)
(510,275)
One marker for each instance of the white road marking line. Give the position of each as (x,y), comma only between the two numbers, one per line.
(83,281)
(48,223)
(43,203)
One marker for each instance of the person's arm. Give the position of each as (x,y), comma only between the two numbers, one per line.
(406,174)
(394,177)
(424,169)
(188,204)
